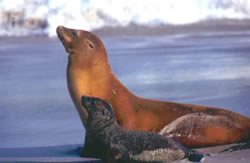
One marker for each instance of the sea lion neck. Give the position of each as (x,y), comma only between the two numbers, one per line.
(97,80)
(101,125)
(91,63)
(92,75)
(86,80)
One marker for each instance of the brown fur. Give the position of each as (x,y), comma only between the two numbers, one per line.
(89,74)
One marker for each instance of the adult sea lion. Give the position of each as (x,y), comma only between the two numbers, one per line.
(105,139)
(89,73)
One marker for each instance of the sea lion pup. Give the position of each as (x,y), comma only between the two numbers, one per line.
(107,140)
(89,73)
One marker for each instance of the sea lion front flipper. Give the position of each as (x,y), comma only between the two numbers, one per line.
(115,153)
(194,156)
(90,148)
(118,152)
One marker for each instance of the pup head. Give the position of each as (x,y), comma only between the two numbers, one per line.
(98,110)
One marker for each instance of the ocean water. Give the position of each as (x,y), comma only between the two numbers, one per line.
(40,17)
(207,68)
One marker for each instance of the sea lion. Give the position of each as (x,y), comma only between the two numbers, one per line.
(89,73)
(105,139)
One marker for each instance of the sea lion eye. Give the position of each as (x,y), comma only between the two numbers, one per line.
(74,34)
(90,45)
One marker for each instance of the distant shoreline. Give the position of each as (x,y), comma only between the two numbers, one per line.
(222,25)
(225,25)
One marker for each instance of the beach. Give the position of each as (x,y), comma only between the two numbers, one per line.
(205,64)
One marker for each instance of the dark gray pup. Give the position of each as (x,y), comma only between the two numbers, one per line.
(106,140)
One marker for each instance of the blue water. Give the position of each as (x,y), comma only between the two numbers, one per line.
(201,68)
(36,109)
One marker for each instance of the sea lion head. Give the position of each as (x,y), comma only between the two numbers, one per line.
(99,110)
(83,47)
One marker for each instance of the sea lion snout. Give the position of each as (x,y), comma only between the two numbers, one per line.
(66,36)
(87,102)
(92,103)
(59,28)
(59,31)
